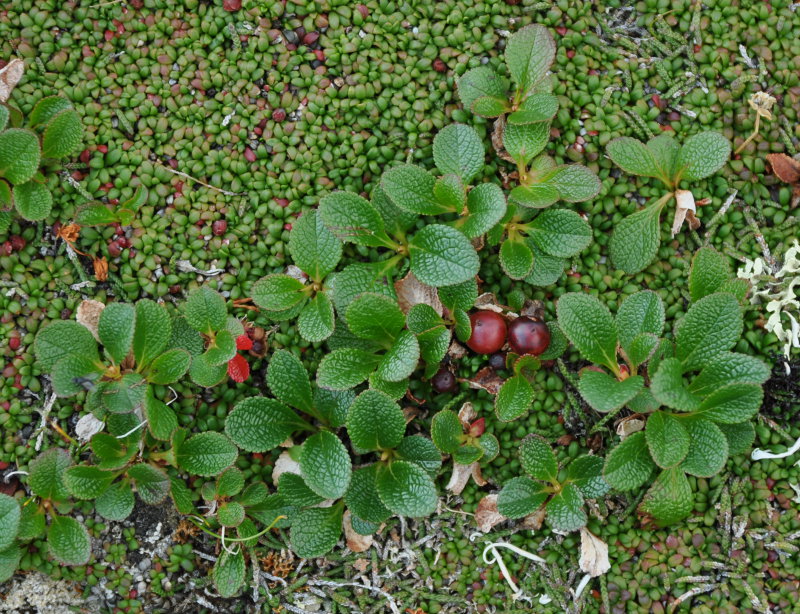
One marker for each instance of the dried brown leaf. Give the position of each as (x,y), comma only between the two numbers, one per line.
(594,554)
(456,351)
(411,291)
(100,268)
(534,521)
(785,167)
(486,515)
(629,426)
(486,379)
(461,475)
(467,414)
(88,314)
(10,75)
(355,541)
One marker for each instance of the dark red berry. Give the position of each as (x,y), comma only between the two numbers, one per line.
(497,361)
(526,336)
(444,381)
(219,227)
(279,115)
(114,249)
(488,332)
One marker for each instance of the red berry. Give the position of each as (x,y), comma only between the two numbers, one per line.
(238,368)
(526,336)
(279,115)
(444,381)
(219,227)
(85,155)
(488,332)
(114,249)
(13,343)
(6,249)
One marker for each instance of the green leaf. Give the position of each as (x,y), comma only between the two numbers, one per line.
(513,399)
(375,422)
(406,489)
(345,368)
(117,502)
(31,523)
(536,196)
(68,541)
(520,497)
(702,155)
(449,191)
(221,349)
(588,324)
(271,509)
(46,109)
(184,337)
(586,472)
(490,446)
(152,331)
(205,310)
(87,482)
(396,221)
(9,561)
(4,114)
(207,454)
(113,453)
(740,437)
(433,346)
(481,82)
(711,326)
(605,393)
(446,431)
(316,321)
(642,348)
(19,155)
(634,157)
(375,317)
(230,482)
(125,395)
(486,205)
(230,514)
(442,256)
(560,232)
(537,458)
(573,182)
(732,404)
(546,269)
(362,497)
(46,474)
(70,374)
(458,149)
(10,514)
(709,271)
(401,359)
(169,367)
(664,150)
(459,296)
(333,405)
(629,465)
(277,292)
(228,573)
(314,248)
(529,54)
(288,381)
(353,219)
(325,465)
(516,258)
(152,483)
(669,499)
(294,489)
(467,454)
(422,451)
(708,450)
(489,106)
(729,368)
(5,201)
(565,510)
(33,200)
(63,135)
(667,439)
(536,108)
(670,389)
(315,531)
(207,375)
(182,496)
(526,141)
(115,329)
(259,424)
(642,312)
(355,279)
(635,240)
(411,188)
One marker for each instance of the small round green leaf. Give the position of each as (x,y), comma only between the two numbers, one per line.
(375,422)
(68,541)
(206,454)
(33,200)
(442,256)
(520,496)
(325,465)
(538,459)
(259,424)
(316,530)
(458,149)
(63,135)
(19,155)
(406,489)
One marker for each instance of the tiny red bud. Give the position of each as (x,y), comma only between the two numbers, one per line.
(17,243)
(570,53)
(287,226)
(362,8)
(439,65)
(282,202)
(477,428)
(14,343)
(320,54)
(123,242)
(249,154)
(279,115)
(85,155)
(108,35)
(219,227)
(231,5)
(103,149)
(114,249)
(562,30)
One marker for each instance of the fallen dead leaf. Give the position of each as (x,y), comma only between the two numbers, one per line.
(467,414)
(785,167)
(100,268)
(355,541)
(629,426)
(411,291)
(87,427)
(361,565)
(594,554)
(486,379)
(10,75)
(461,475)
(88,314)
(534,521)
(487,300)
(284,464)
(486,515)
(685,208)
(456,351)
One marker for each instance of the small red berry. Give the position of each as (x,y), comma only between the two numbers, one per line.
(497,361)
(287,226)
(444,381)
(219,227)
(526,336)
(238,368)
(244,342)
(6,249)
(488,332)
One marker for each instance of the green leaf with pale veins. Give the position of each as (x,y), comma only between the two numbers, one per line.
(19,155)
(669,499)
(513,399)
(293,488)
(316,530)
(642,312)
(667,439)
(115,329)
(481,82)
(46,109)
(521,496)
(288,380)
(629,465)
(458,149)
(529,53)
(709,271)
(63,135)
(708,450)
(516,258)
(259,424)
(588,324)
(605,393)
(486,205)
(345,368)
(573,182)
(228,572)
(353,219)
(205,310)
(664,150)
(316,321)
(313,247)
(586,472)
(732,403)
(9,562)
(488,106)
(729,368)
(87,482)
(362,496)
(46,474)
(277,292)
(537,458)
(10,514)
(406,489)
(325,465)
(635,240)
(565,510)
(411,188)
(711,326)
(206,454)
(740,437)
(375,317)
(669,387)
(151,332)
(524,142)
(169,367)
(702,155)
(560,232)
(117,502)
(375,422)
(536,108)
(422,451)
(634,157)
(442,256)
(446,431)
(33,200)
(152,484)
(449,191)
(68,541)
(401,359)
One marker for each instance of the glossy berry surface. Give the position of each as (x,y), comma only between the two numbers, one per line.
(497,361)
(444,381)
(488,332)
(526,336)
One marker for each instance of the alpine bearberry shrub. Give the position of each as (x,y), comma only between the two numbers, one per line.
(636,238)
(698,395)
(29,150)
